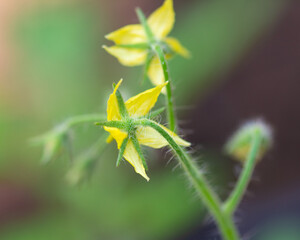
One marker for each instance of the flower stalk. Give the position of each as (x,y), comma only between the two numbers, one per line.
(158,50)
(235,198)
(169,97)
(208,196)
(210,199)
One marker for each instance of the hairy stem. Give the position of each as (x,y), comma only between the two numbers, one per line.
(236,196)
(208,196)
(170,104)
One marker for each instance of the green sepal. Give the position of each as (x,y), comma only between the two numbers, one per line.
(115,124)
(121,104)
(145,25)
(137,147)
(121,151)
(155,113)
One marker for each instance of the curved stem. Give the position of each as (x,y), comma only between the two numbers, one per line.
(210,199)
(235,198)
(170,105)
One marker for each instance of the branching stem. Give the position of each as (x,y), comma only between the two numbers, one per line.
(235,198)
(210,199)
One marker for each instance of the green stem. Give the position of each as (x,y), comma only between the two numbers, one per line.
(157,49)
(170,104)
(210,199)
(235,198)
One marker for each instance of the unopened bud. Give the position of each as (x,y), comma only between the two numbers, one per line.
(240,143)
(52,141)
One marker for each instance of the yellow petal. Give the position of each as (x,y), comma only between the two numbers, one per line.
(155,73)
(126,56)
(176,46)
(117,134)
(134,159)
(142,103)
(109,139)
(161,21)
(130,34)
(150,137)
(113,112)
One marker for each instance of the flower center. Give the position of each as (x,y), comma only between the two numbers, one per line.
(130,126)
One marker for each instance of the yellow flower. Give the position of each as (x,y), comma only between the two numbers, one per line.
(133,47)
(136,107)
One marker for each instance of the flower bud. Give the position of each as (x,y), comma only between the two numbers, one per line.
(52,141)
(240,143)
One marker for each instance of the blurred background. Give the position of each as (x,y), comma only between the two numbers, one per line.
(245,64)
